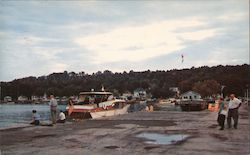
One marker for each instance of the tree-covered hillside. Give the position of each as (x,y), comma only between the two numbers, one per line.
(205,80)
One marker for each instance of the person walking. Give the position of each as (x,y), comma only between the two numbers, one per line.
(233,107)
(222,113)
(53,108)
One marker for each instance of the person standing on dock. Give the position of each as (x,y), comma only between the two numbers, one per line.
(233,106)
(222,113)
(53,108)
(71,106)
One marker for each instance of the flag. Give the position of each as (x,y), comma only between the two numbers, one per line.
(182,58)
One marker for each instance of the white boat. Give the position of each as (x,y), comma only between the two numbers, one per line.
(167,102)
(97,105)
(119,108)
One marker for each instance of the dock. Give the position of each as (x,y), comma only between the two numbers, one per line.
(119,135)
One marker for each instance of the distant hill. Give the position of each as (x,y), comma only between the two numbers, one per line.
(235,78)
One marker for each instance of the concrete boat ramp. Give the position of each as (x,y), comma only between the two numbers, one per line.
(159,132)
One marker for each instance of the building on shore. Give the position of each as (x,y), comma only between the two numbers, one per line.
(175,90)
(140,93)
(7,99)
(190,95)
(22,98)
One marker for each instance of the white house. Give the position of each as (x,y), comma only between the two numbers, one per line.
(22,98)
(140,93)
(190,95)
(7,99)
(127,94)
(174,89)
(35,98)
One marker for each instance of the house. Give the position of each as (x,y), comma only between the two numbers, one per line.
(22,98)
(7,99)
(190,95)
(127,95)
(140,93)
(35,98)
(45,98)
(174,89)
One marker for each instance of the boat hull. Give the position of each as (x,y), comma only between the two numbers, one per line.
(193,105)
(110,112)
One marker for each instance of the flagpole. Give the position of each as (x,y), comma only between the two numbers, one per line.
(181,90)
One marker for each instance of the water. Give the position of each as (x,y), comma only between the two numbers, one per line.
(155,138)
(166,107)
(20,114)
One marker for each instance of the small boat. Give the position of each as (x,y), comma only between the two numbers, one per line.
(193,105)
(167,102)
(97,105)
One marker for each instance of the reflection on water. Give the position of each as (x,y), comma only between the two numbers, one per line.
(17,114)
(155,138)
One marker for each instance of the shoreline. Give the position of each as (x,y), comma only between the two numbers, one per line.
(16,127)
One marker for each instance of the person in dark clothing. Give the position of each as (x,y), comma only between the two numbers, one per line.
(35,118)
(222,113)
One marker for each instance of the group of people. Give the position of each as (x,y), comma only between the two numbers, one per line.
(229,111)
(53,112)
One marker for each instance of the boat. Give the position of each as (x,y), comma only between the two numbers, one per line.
(97,105)
(193,105)
(169,102)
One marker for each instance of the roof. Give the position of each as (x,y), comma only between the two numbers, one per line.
(95,93)
(139,89)
(190,92)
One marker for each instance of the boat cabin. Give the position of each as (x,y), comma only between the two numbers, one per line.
(86,98)
(190,95)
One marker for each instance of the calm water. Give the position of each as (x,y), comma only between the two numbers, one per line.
(20,114)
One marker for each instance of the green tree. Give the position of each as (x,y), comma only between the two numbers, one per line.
(207,87)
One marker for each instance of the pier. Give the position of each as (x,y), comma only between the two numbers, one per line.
(119,135)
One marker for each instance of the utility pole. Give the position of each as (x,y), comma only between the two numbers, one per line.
(221,90)
(0,94)
(247,94)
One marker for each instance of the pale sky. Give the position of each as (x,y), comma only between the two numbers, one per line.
(41,37)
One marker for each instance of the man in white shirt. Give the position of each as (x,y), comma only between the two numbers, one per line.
(233,107)
(62,117)
(53,108)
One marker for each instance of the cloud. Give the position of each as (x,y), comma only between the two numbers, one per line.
(40,37)
(154,39)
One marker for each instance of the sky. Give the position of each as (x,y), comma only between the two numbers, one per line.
(41,37)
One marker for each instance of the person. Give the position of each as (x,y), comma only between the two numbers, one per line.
(53,108)
(222,113)
(62,117)
(233,107)
(35,118)
(71,106)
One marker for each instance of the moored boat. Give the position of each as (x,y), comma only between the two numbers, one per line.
(193,105)
(97,105)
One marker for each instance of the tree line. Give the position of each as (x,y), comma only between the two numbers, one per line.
(205,80)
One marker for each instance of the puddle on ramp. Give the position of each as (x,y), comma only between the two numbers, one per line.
(166,139)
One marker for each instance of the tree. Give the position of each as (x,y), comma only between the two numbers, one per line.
(207,87)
